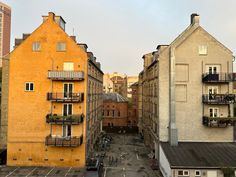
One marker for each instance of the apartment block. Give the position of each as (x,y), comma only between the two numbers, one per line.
(54,108)
(186,94)
(5,33)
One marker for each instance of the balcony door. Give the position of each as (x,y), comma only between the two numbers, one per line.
(68,66)
(212,90)
(212,69)
(67,110)
(214,112)
(68,90)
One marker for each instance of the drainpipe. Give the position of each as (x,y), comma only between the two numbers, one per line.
(173,132)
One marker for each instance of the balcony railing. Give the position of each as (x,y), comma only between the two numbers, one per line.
(218,77)
(65,97)
(58,141)
(218,99)
(60,119)
(220,122)
(66,75)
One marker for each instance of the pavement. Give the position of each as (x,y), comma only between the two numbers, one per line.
(128,157)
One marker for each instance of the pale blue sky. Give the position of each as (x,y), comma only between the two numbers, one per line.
(119,32)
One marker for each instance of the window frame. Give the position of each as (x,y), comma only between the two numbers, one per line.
(33,45)
(199,173)
(59,49)
(29,90)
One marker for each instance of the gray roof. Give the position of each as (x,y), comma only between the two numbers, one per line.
(200,155)
(115,97)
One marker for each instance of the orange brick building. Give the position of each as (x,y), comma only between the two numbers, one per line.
(48,98)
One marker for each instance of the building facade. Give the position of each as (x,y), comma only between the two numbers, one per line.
(115,111)
(107,84)
(133,106)
(187,103)
(49,111)
(5,33)
(130,81)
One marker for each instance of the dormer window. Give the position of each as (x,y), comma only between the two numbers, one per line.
(61,46)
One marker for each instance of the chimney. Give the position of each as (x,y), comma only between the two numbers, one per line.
(51,15)
(195,18)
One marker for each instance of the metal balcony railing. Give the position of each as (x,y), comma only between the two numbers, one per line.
(66,75)
(65,97)
(60,119)
(218,77)
(220,122)
(218,98)
(70,141)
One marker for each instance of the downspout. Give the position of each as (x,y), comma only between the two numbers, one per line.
(173,132)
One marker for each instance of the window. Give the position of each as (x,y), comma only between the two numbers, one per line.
(36,46)
(197,173)
(68,66)
(61,46)
(202,50)
(214,112)
(29,86)
(183,173)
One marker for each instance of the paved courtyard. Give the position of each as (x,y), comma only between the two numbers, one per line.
(128,157)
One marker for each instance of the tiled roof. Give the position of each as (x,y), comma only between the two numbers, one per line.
(114,97)
(200,155)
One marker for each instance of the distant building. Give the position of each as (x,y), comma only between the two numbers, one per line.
(115,110)
(5,33)
(187,103)
(107,84)
(133,106)
(5,29)
(55,98)
(130,80)
(119,83)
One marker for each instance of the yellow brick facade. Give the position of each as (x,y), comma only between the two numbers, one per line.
(27,126)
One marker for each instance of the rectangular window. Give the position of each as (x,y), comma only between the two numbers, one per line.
(214,112)
(197,173)
(36,46)
(68,66)
(61,46)
(202,50)
(29,86)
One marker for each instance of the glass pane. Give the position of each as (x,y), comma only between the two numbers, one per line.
(65,110)
(27,86)
(31,86)
(64,130)
(210,70)
(69,112)
(68,130)
(65,90)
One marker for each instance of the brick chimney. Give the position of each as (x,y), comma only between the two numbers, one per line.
(195,18)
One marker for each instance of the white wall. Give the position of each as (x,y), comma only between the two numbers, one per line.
(164,164)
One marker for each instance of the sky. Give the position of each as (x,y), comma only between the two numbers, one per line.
(119,32)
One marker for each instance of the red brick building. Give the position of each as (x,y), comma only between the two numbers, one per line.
(115,110)
(133,106)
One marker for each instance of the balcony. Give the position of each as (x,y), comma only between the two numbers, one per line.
(58,141)
(218,99)
(62,120)
(218,122)
(66,75)
(218,77)
(66,97)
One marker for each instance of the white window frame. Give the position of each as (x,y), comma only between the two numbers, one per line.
(183,171)
(29,86)
(202,49)
(214,108)
(213,66)
(61,47)
(36,46)
(212,88)
(66,130)
(199,173)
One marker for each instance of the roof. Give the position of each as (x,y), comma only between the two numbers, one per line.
(200,154)
(114,97)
